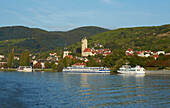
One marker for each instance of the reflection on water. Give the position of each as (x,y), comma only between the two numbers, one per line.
(83,90)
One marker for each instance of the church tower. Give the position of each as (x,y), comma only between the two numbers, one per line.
(83,45)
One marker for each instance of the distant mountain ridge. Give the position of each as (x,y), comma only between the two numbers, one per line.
(21,38)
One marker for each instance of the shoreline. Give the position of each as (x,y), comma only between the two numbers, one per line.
(158,72)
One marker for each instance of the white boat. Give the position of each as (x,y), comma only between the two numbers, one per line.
(81,68)
(25,69)
(131,70)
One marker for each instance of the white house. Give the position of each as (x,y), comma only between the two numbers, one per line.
(129,52)
(66,53)
(87,52)
(161,52)
(2,57)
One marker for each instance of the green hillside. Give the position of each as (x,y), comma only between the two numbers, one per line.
(23,38)
(138,38)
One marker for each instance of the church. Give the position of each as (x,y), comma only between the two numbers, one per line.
(85,51)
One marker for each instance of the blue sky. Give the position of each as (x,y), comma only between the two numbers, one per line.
(59,15)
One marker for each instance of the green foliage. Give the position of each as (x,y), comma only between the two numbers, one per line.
(60,66)
(25,59)
(10,61)
(38,65)
(117,65)
(16,63)
(54,67)
(141,38)
(47,64)
(37,40)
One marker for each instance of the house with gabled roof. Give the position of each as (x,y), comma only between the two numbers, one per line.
(129,52)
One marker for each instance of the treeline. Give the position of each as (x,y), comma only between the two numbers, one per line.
(12,62)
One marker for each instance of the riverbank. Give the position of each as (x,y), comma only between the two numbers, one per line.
(158,72)
(36,70)
(166,72)
(8,69)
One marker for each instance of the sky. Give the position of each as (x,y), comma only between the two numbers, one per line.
(63,15)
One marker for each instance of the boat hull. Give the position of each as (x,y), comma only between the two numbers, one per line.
(25,69)
(85,71)
(131,72)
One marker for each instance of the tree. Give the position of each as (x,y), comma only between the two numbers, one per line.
(47,64)
(118,64)
(25,59)
(54,67)
(10,60)
(38,65)
(60,66)
(161,57)
(51,64)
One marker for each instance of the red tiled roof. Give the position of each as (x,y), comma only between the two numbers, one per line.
(70,56)
(100,51)
(107,53)
(156,56)
(87,50)
(106,49)
(139,52)
(130,54)
(129,49)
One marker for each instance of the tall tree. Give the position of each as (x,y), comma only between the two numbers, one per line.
(10,59)
(25,59)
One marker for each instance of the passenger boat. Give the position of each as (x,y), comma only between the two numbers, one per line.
(81,68)
(25,69)
(131,70)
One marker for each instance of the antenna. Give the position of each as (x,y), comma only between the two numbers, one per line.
(65,43)
(65,48)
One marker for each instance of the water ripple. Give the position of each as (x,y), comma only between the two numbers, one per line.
(82,90)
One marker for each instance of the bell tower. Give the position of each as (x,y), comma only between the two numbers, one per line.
(83,45)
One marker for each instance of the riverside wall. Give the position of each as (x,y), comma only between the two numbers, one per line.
(165,72)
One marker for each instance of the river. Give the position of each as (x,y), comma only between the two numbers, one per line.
(50,89)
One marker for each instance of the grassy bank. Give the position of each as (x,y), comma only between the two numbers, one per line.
(8,69)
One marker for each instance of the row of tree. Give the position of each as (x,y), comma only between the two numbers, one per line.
(13,63)
(114,61)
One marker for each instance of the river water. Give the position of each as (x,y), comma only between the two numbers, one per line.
(48,89)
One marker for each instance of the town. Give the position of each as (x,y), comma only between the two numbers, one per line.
(99,55)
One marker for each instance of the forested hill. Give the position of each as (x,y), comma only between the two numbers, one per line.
(23,38)
(138,38)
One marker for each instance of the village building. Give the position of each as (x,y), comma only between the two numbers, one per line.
(70,56)
(16,58)
(160,52)
(167,54)
(129,52)
(84,52)
(91,51)
(87,52)
(2,63)
(146,53)
(66,53)
(2,57)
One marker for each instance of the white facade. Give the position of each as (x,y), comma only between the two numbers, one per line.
(85,54)
(1,57)
(65,53)
(161,52)
(147,55)
(83,46)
